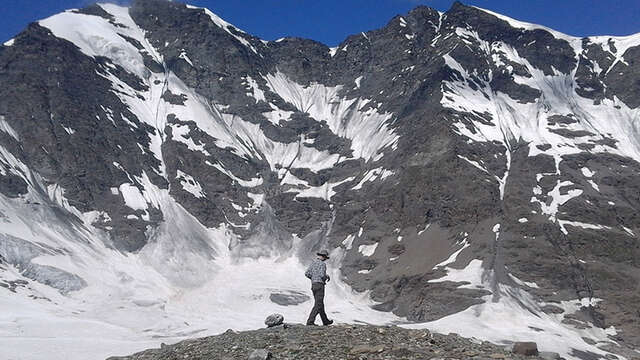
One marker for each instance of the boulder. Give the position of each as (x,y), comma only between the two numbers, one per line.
(260,354)
(274,320)
(548,355)
(526,348)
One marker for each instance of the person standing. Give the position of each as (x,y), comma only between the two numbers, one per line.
(317,273)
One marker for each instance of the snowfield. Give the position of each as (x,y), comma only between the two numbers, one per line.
(181,285)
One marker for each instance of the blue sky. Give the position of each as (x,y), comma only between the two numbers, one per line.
(331,21)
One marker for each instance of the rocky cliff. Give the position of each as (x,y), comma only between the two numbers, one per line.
(465,170)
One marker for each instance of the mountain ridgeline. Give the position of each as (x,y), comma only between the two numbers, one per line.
(462,167)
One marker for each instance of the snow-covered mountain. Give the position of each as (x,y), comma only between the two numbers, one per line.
(165,175)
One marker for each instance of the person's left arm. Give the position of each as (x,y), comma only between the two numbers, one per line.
(325,277)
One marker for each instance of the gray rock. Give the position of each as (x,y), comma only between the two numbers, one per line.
(274,320)
(287,299)
(552,309)
(526,348)
(366,349)
(498,356)
(260,354)
(332,343)
(549,355)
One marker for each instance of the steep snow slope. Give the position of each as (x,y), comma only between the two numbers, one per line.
(173,289)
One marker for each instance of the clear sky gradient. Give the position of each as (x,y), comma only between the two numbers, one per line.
(331,21)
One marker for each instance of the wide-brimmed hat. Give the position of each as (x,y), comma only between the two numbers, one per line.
(324,253)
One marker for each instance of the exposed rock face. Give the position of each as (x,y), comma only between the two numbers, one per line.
(526,348)
(449,160)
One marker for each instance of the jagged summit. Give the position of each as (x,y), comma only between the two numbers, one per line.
(164,174)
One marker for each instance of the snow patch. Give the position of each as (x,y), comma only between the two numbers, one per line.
(474,163)
(189,184)
(348,242)
(357,81)
(426,227)
(557,199)
(368,131)
(132,196)
(324,191)
(180,133)
(586,172)
(451,259)
(96,36)
(183,55)
(629,231)
(372,175)
(514,315)
(524,283)
(367,250)
(471,275)
(581,225)
(6,128)
(69,130)
(246,183)
(255,89)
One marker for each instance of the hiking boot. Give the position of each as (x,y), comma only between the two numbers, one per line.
(328,323)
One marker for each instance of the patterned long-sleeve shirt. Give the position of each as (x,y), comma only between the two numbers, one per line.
(317,272)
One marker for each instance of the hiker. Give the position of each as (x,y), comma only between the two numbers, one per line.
(317,272)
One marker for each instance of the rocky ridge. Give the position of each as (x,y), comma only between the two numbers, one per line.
(332,343)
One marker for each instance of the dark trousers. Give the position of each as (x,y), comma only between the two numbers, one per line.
(318,305)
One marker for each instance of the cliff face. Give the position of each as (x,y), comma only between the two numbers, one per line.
(464,168)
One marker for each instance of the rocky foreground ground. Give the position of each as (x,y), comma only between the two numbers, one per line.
(331,342)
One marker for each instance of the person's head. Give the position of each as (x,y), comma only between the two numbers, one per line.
(323,255)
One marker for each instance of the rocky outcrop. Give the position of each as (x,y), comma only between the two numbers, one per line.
(274,320)
(332,342)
